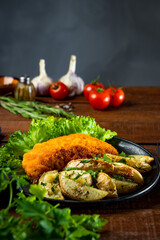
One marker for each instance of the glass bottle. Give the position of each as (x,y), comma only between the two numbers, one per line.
(25,90)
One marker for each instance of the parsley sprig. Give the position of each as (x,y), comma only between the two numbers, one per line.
(38,219)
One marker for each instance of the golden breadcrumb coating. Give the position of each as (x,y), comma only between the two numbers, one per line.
(57,152)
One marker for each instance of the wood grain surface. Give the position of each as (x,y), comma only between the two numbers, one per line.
(137,119)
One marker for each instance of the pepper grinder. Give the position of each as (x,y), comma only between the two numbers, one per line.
(25,90)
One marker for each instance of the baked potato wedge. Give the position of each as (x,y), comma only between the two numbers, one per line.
(106,183)
(128,172)
(109,168)
(79,191)
(139,162)
(124,186)
(80,176)
(90,164)
(50,181)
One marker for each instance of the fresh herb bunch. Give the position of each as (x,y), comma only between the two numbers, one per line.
(32,109)
(38,219)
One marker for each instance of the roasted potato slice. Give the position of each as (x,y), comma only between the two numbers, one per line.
(80,176)
(79,191)
(124,186)
(109,168)
(146,159)
(50,181)
(90,164)
(49,177)
(106,183)
(128,172)
(139,162)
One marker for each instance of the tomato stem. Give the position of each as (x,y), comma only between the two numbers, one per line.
(100,90)
(94,82)
(55,86)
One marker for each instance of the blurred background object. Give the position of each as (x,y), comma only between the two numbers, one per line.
(7,84)
(118,40)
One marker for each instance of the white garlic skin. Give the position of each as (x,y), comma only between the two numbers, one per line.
(74,83)
(42,82)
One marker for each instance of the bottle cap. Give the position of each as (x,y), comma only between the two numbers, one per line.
(22,79)
(28,80)
(25,79)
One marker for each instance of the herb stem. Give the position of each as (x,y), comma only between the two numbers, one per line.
(33,110)
(10,196)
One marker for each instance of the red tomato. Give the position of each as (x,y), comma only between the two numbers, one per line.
(58,90)
(99,98)
(117,96)
(90,86)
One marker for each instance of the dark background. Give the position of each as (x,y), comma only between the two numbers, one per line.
(116,39)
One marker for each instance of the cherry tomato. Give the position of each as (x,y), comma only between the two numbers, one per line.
(58,90)
(117,96)
(99,98)
(90,86)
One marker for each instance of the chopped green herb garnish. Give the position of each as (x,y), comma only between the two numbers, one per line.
(79,175)
(122,160)
(123,154)
(66,175)
(86,160)
(118,177)
(86,184)
(56,179)
(70,168)
(107,159)
(53,190)
(43,184)
(94,176)
(97,156)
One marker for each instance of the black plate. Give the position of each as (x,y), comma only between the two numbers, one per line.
(150,179)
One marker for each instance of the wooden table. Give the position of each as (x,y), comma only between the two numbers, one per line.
(138,120)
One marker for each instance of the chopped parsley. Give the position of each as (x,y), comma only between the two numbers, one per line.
(94,176)
(119,177)
(79,175)
(66,175)
(43,184)
(53,190)
(86,160)
(107,159)
(125,155)
(122,160)
(56,179)
(97,156)
(86,184)
(71,168)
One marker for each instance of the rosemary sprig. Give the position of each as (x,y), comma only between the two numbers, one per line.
(33,109)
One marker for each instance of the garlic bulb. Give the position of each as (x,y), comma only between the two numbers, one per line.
(42,82)
(74,83)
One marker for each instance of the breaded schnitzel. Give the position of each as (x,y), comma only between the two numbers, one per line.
(57,152)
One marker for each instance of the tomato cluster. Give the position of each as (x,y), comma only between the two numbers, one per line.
(101,98)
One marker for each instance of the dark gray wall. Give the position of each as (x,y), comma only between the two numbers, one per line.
(118,39)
